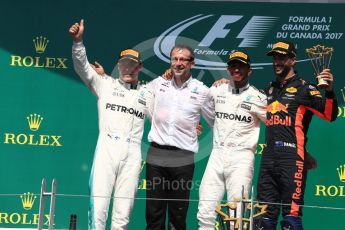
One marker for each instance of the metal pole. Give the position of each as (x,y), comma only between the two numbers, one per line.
(251,218)
(241,208)
(52,204)
(41,210)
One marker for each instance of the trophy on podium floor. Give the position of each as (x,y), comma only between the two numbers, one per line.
(320,57)
(240,214)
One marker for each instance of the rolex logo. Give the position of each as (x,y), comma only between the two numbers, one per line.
(332,190)
(34,121)
(341,172)
(40,44)
(23,218)
(28,200)
(40,61)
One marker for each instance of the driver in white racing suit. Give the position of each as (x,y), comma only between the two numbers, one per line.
(238,108)
(122,105)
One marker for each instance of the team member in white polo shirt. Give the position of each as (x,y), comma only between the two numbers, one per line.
(177,108)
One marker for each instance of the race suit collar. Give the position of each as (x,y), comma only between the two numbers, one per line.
(235,90)
(128,85)
(286,82)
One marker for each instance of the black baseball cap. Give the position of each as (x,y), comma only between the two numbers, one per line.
(130,54)
(283,47)
(239,56)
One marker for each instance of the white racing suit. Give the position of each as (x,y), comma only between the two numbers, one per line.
(235,135)
(117,158)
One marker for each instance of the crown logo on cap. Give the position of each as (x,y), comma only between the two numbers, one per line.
(34,121)
(40,44)
(28,200)
(341,173)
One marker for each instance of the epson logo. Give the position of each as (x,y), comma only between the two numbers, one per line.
(251,35)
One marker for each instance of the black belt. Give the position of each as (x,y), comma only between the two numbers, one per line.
(167,147)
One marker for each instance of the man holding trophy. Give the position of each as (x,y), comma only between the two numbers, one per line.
(291,105)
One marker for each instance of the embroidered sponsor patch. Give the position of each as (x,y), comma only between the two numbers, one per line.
(288,98)
(290,95)
(245,106)
(166,84)
(142,101)
(218,101)
(195,90)
(314,92)
(248,98)
(285,144)
(291,90)
(117,94)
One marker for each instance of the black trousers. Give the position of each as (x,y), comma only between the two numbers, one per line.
(282,179)
(167,189)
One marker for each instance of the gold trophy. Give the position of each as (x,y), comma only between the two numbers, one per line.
(230,219)
(320,57)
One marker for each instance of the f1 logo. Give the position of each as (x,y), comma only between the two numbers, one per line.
(218,30)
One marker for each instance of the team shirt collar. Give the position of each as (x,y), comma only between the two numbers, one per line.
(128,85)
(235,90)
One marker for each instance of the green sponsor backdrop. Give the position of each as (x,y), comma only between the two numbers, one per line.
(44,83)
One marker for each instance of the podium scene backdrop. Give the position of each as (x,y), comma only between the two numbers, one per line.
(49,123)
